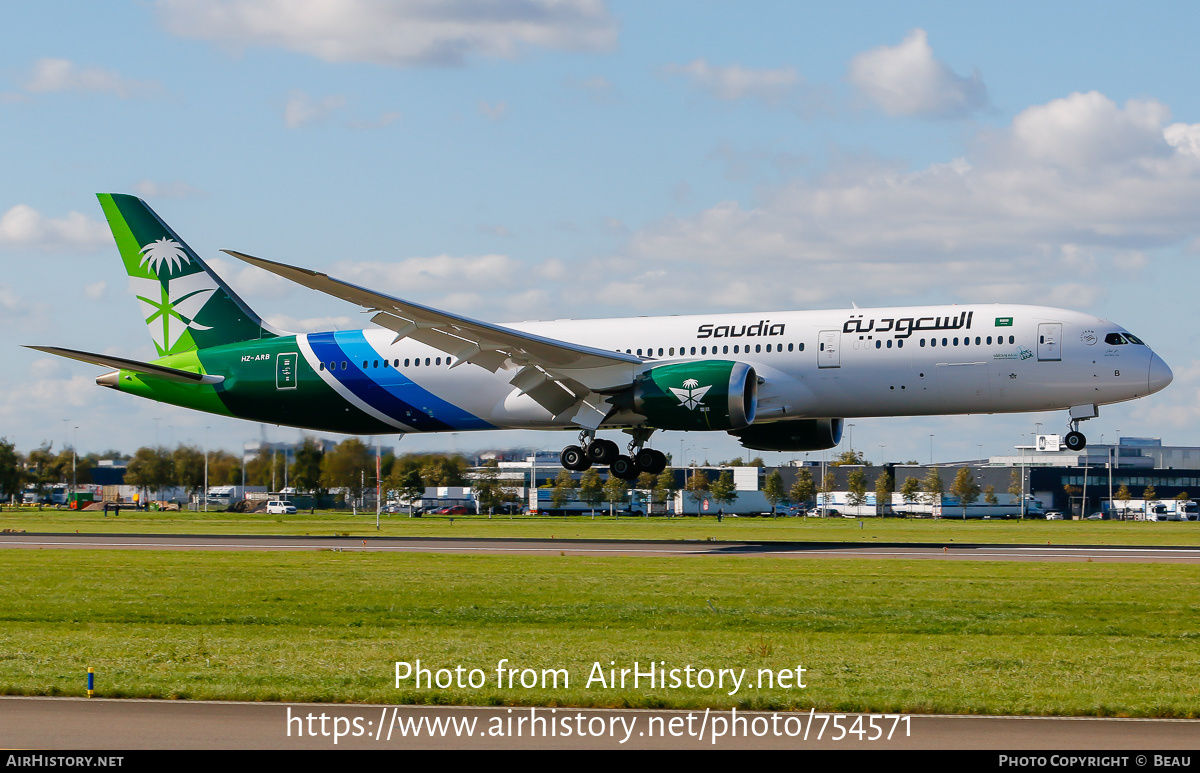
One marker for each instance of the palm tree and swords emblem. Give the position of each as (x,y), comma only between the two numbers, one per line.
(173,309)
(692,393)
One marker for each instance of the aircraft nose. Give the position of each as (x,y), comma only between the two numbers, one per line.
(1160,373)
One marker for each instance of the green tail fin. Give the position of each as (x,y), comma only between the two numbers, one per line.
(185,304)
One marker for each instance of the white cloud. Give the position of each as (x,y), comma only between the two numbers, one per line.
(405,277)
(906,80)
(597,88)
(50,75)
(24,227)
(302,110)
(312,324)
(737,82)
(495,112)
(401,32)
(148,189)
(1069,187)
(95,290)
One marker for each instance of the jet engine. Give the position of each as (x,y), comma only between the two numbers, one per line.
(791,435)
(702,395)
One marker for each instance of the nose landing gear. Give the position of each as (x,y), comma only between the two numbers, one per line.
(1075,439)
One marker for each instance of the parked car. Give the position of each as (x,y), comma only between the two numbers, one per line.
(822,512)
(454,510)
(280,507)
(1054,515)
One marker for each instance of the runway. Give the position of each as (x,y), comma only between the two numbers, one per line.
(101,724)
(927,551)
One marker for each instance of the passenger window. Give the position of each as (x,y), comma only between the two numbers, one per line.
(1012,339)
(757,348)
(889,343)
(406,362)
(790,347)
(900,345)
(802,346)
(427,361)
(693,350)
(343,364)
(439,361)
(878,344)
(672,351)
(724,350)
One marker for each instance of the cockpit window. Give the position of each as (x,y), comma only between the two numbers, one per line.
(1114,339)
(1134,339)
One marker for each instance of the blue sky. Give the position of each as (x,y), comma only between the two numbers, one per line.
(534,159)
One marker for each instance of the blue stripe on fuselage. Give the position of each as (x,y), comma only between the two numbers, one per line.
(388,390)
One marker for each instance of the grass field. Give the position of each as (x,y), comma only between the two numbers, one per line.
(603,527)
(894,636)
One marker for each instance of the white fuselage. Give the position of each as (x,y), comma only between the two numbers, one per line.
(909,361)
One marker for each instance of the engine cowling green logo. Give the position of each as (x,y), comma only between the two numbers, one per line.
(692,393)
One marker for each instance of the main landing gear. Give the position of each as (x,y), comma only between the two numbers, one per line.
(598,451)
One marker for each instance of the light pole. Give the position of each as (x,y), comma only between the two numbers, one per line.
(850,438)
(206,469)
(931,448)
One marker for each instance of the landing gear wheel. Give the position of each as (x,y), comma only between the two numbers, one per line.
(573,459)
(651,461)
(624,468)
(1075,441)
(602,452)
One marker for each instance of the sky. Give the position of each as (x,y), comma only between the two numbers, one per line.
(540,159)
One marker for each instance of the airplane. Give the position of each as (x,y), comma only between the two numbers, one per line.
(778,381)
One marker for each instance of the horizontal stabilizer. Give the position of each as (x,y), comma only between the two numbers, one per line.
(158,371)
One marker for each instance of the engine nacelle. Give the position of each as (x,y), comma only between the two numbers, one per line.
(701,395)
(792,435)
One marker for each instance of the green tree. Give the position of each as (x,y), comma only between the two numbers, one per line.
(591,489)
(664,487)
(616,492)
(965,488)
(803,489)
(12,474)
(188,462)
(828,485)
(910,490)
(697,487)
(773,490)
(933,487)
(884,485)
(563,490)
(224,469)
(490,492)
(347,467)
(444,470)
(306,470)
(1123,496)
(150,469)
(856,487)
(850,457)
(42,469)
(1149,493)
(989,495)
(724,490)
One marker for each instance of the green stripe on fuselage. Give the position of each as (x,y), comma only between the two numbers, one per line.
(255,388)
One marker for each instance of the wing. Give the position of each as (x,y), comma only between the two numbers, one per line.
(568,379)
